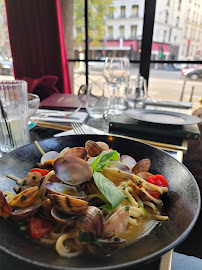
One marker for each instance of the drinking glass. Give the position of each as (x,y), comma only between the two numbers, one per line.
(137,93)
(114,70)
(33,104)
(14,115)
(98,100)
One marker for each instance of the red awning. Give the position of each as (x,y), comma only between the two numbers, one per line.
(155,47)
(126,43)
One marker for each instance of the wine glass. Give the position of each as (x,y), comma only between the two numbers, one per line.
(114,70)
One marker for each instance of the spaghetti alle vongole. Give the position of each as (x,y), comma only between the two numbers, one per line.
(86,197)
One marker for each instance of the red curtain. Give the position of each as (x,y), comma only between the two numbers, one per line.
(37,41)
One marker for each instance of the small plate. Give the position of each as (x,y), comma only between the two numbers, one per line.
(163,117)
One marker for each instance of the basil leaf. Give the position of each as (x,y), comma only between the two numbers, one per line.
(103,160)
(109,190)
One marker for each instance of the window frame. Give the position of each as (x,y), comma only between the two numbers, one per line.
(146,46)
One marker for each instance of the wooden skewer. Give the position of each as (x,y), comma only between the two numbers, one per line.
(53,126)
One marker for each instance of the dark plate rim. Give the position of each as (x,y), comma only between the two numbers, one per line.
(138,262)
(189,119)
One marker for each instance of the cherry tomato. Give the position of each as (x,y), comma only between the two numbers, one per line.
(157,180)
(154,193)
(39,227)
(41,171)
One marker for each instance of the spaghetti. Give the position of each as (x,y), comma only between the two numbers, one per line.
(74,205)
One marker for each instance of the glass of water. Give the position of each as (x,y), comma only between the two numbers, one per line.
(14,115)
(98,100)
(136,94)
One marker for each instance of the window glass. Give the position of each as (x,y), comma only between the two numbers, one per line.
(6,65)
(176,37)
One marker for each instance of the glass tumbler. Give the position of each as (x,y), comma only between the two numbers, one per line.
(98,100)
(136,94)
(14,114)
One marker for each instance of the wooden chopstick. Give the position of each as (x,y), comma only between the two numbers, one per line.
(53,125)
(163,146)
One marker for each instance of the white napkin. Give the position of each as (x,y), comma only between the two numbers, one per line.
(54,116)
(87,130)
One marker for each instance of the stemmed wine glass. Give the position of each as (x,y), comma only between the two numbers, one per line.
(114,70)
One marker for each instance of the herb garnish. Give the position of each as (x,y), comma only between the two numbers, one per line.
(89,238)
(109,190)
(23,198)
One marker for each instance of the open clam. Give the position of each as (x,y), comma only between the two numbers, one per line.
(116,175)
(51,155)
(65,189)
(62,217)
(116,223)
(91,220)
(25,213)
(128,160)
(68,204)
(79,152)
(142,166)
(5,209)
(93,148)
(72,170)
(24,198)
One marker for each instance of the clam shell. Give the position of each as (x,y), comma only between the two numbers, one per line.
(5,209)
(62,218)
(116,223)
(128,160)
(91,220)
(106,246)
(72,170)
(31,179)
(64,189)
(61,154)
(68,204)
(103,145)
(25,213)
(93,148)
(116,175)
(51,155)
(144,175)
(24,198)
(142,166)
(79,152)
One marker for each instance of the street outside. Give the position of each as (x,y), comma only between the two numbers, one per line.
(163,84)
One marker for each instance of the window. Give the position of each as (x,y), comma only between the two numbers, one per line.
(164,35)
(110,32)
(166,17)
(123,11)
(135,11)
(179,4)
(177,21)
(121,31)
(133,31)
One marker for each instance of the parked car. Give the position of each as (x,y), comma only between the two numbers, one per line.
(6,66)
(97,65)
(193,73)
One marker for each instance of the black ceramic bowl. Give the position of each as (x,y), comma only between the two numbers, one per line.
(181,204)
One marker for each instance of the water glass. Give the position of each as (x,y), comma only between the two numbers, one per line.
(33,104)
(14,114)
(98,100)
(136,94)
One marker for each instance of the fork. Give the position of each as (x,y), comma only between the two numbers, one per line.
(77,128)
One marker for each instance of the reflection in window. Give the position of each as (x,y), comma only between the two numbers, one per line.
(121,31)
(135,11)
(123,11)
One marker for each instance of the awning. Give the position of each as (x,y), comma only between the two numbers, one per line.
(125,43)
(155,47)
